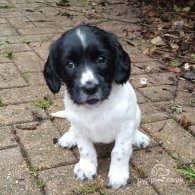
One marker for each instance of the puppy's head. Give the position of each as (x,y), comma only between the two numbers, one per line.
(88,60)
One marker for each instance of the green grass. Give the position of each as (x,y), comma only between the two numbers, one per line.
(40,184)
(188,172)
(9,53)
(89,190)
(2,43)
(84,2)
(35,173)
(63,3)
(1,103)
(6,6)
(103,192)
(42,103)
(26,42)
(142,173)
(24,76)
(177,108)
(86,190)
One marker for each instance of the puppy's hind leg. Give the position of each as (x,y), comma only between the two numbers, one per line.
(140,139)
(68,139)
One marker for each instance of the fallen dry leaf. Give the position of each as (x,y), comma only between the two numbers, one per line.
(176,8)
(171,31)
(157,41)
(174,46)
(173,69)
(184,121)
(187,37)
(161,26)
(149,50)
(186,9)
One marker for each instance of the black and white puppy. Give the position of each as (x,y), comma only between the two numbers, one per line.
(100,103)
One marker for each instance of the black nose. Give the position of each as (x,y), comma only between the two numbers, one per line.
(90,88)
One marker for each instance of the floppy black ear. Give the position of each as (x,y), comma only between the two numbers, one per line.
(50,72)
(122,64)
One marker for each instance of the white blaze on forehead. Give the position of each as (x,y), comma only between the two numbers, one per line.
(81,36)
(87,76)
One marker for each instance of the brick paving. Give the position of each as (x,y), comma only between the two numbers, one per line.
(30,162)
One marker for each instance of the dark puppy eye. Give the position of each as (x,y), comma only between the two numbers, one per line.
(101,60)
(70,65)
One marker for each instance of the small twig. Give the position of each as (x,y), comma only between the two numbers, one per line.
(170,35)
(161,49)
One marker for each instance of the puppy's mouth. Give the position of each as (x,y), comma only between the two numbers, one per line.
(80,97)
(92,101)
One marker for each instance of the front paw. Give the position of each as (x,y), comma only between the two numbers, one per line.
(67,140)
(118,179)
(85,170)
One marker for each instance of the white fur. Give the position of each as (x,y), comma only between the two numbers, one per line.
(115,119)
(87,76)
(68,139)
(81,36)
(59,114)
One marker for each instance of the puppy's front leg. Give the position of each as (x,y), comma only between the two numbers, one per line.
(86,168)
(119,168)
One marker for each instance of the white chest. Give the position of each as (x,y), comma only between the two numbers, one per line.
(102,122)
